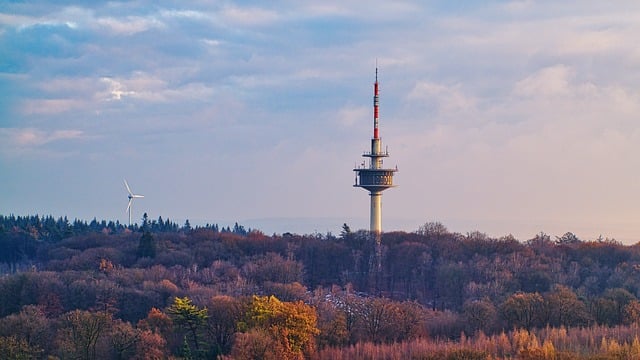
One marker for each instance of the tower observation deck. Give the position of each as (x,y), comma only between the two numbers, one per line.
(374,177)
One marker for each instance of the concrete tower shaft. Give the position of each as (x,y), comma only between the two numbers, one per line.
(375,178)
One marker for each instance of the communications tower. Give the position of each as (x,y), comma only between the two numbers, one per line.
(374,177)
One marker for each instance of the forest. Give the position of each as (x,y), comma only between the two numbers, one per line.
(103,290)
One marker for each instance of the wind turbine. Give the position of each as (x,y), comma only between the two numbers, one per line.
(131,196)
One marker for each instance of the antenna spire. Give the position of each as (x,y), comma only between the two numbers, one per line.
(376,70)
(376,104)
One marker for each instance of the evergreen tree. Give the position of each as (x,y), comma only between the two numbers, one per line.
(192,320)
(345,234)
(147,245)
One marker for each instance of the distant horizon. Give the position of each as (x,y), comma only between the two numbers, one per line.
(333,225)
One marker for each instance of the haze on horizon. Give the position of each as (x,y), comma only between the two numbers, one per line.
(503,117)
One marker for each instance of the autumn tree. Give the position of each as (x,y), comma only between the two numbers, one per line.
(619,298)
(479,315)
(379,315)
(151,346)
(273,267)
(256,343)
(123,339)
(30,325)
(632,312)
(224,314)
(17,349)
(79,333)
(292,325)
(332,324)
(433,229)
(156,325)
(564,308)
(523,310)
(451,279)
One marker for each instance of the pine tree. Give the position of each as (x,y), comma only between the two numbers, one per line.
(191,319)
(147,245)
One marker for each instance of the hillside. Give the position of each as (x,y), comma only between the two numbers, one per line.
(430,284)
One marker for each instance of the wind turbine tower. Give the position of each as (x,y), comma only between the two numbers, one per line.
(131,196)
(374,177)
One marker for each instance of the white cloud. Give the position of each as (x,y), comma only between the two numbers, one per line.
(550,81)
(446,98)
(150,88)
(188,14)
(115,91)
(16,20)
(50,106)
(249,16)
(32,137)
(129,25)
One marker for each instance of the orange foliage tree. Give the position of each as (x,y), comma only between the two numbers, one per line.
(291,327)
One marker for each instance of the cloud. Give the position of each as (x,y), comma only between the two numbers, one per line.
(129,25)
(550,81)
(249,16)
(149,88)
(115,89)
(446,98)
(187,14)
(50,106)
(32,137)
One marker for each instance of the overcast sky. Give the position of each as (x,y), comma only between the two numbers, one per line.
(502,117)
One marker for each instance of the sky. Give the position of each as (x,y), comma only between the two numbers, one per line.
(504,117)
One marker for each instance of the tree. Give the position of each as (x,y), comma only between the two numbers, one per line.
(381,320)
(30,325)
(568,238)
(224,314)
(151,346)
(564,308)
(273,267)
(451,279)
(620,297)
(332,324)
(147,245)
(479,315)
(632,312)
(123,339)
(191,319)
(157,330)
(345,233)
(433,229)
(523,310)
(256,343)
(80,333)
(292,325)
(17,349)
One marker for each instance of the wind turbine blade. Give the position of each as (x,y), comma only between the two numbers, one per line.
(128,188)
(129,206)
(138,196)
